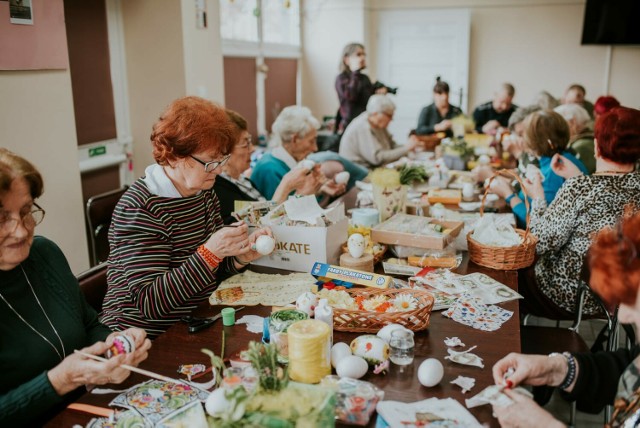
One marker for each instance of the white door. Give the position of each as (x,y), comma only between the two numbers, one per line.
(415,46)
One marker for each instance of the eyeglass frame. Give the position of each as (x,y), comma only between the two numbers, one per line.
(22,220)
(215,164)
(246,143)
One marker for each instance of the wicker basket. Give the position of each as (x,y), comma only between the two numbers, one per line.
(504,258)
(370,322)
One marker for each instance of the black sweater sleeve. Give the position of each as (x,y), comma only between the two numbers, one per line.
(598,377)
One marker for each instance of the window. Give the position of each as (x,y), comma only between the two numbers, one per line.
(240,21)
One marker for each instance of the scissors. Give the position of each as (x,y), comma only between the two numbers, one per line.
(197,323)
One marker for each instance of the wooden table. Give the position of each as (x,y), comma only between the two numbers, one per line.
(177,346)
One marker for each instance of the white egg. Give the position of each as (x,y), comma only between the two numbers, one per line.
(385,332)
(342,177)
(217,403)
(430,372)
(352,366)
(307,164)
(356,245)
(484,160)
(265,244)
(339,351)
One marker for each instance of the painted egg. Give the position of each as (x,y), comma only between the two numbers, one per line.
(352,366)
(307,164)
(342,177)
(356,245)
(307,302)
(339,351)
(371,348)
(122,344)
(430,372)
(385,332)
(218,405)
(265,244)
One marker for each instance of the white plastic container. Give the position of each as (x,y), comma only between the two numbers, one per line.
(324,313)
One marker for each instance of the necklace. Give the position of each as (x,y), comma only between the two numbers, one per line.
(612,172)
(64,353)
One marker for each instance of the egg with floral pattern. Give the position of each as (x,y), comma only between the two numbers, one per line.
(372,348)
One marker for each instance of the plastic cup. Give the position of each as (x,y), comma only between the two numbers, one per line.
(228,316)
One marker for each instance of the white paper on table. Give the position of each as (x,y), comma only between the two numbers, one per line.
(397,414)
(306,209)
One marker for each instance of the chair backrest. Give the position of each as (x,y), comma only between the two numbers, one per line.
(93,284)
(99,211)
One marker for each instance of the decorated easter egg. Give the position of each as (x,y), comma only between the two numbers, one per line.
(306,164)
(355,245)
(307,302)
(122,344)
(265,244)
(385,332)
(430,372)
(342,177)
(339,351)
(352,366)
(371,348)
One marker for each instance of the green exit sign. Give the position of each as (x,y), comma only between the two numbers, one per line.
(97,151)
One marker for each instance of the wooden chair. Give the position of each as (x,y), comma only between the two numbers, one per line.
(99,210)
(93,284)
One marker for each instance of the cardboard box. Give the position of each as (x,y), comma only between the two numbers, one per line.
(368,279)
(299,247)
(385,233)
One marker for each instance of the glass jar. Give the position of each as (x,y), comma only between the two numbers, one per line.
(401,347)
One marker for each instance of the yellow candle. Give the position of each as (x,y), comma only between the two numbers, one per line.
(309,351)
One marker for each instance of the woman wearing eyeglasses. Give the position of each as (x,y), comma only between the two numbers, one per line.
(593,380)
(43,315)
(232,185)
(168,247)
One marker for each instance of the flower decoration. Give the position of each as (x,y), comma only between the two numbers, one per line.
(372,303)
(404,302)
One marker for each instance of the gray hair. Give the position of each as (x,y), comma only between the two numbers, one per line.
(546,101)
(292,121)
(574,112)
(521,114)
(380,103)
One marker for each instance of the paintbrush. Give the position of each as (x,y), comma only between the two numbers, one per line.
(133,369)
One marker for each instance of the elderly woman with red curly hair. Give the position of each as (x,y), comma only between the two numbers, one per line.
(594,380)
(169,249)
(582,206)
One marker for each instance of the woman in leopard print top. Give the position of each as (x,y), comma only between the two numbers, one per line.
(584,205)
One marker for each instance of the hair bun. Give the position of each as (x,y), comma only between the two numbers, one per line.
(437,79)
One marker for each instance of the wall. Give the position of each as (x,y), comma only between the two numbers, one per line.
(533,44)
(202,47)
(327,26)
(155,67)
(37,122)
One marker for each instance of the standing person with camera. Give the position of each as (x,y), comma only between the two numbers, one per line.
(354,88)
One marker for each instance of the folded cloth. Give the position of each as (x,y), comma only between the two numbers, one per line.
(488,232)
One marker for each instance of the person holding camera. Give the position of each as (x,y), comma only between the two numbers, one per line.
(354,87)
(437,116)
(367,142)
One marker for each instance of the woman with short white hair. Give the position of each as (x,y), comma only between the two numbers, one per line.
(294,138)
(581,135)
(367,142)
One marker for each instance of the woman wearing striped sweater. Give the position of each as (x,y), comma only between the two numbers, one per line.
(169,249)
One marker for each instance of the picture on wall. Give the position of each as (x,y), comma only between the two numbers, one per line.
(21,12)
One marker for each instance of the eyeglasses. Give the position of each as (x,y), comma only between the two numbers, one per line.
(29,220)
(210,166)
(246,142)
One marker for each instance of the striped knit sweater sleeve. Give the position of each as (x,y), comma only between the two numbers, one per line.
(155,275)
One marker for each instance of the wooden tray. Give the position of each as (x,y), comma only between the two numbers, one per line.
(384,235)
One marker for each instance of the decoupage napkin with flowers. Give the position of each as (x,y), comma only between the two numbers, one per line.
(471,311)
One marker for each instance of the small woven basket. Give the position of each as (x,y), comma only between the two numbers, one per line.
(504,258)
(370,322)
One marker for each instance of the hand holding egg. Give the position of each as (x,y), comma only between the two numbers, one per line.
(307,164)
(342,177)
(265,244)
